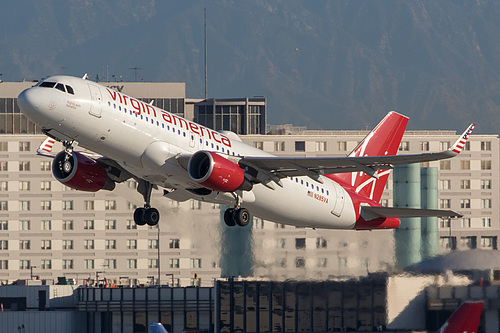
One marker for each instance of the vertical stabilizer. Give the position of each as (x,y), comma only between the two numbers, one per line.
(157,328)
(465,319)
(383,140)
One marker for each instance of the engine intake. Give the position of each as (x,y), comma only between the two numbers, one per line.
(217,173)
(81,172)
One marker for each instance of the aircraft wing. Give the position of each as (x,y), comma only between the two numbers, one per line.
(374,212)
(289,166)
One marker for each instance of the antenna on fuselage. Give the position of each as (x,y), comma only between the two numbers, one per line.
(85,77)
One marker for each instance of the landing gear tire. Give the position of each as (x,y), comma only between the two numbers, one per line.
(242,217)
(152,216)
(229,217)
(139,216)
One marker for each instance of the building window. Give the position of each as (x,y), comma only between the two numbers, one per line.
(300,146)
(445,203)
(24,264)
(320,145)
(88,224)
(444,145)
(67,225)
(342,145)
(4,205)
(46,205)
(110,205)
(444,184)
(67,263)
(466,222)
(67,244)
(321,262)
(485,184)
(449,243)
(110,224)
(24,146)
(195,204)
(174,263)
(45,166)
(88,244)
(46,245)
(464,165)
(173,243)
(300,262)
(486,222)
(24,166)
(4,225)
(46,264)
(486,145)
(486,203)
(4,244)
(88,264)
(468,242)
(465,184)
(4,186)
(110,263)
(45,186)
(489,242)
(444,165)
(300,243)
(465,203)
(46,225)
(24,186)
(195,263)
(485,165)
(424,145)
(131,263)
(131,225)
(258,144)
(321,243)
(24,245)
(67,205)
(24,225)
(132,244)
(110,244)
(279,146)
(152,263)
(24,205)
(152,243)
(445,223)
(88,204)
(4,264)
(404,146)
(4,146)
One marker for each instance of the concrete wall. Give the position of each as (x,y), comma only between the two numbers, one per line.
(41,322)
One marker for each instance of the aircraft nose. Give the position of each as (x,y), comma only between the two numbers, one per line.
(27,101)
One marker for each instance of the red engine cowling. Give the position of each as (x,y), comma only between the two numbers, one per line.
(81,172)
(217,173)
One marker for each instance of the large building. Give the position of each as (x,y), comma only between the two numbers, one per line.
(48,230)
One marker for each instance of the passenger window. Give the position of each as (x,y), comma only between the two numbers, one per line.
(60,86)
(70,90)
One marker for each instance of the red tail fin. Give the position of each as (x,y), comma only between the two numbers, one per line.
(465,319)
(384,139)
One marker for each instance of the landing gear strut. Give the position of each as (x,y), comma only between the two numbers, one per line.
(147,214)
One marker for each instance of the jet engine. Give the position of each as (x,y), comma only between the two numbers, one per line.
(217,173)
(81,172)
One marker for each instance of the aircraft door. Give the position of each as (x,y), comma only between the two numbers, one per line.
(96,100)
(339,200)
(192,139)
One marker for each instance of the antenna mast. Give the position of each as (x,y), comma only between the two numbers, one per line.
(205,20)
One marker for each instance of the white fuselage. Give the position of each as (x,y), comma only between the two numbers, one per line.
(145,141)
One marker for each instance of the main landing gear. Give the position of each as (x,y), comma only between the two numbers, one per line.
(147,214)
(237,215)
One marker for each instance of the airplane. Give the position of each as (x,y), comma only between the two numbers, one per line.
(465,319)
(157,328)
(190,161)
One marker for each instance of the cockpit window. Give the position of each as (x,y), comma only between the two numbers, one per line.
(47,84)
(60,86)
(70,90)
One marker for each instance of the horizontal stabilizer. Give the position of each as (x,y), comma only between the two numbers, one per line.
(375,212)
